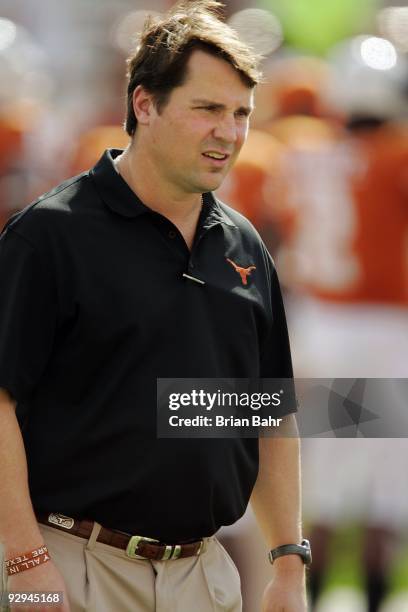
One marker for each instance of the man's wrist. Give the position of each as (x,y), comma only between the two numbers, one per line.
(289,565)
(16,544)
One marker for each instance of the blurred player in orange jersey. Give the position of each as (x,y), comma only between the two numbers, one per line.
(345,258)
(345,193)
(354,188)
(290,108)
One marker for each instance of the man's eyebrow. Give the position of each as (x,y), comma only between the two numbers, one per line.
(218,105)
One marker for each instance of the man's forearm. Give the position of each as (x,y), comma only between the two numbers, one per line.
(276,495)
(276,503)
(18,528)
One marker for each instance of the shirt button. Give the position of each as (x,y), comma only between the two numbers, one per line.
(172,234)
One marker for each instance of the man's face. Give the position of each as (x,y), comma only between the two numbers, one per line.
(198,134)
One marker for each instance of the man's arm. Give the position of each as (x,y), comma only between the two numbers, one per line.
(19,530)
(276,503)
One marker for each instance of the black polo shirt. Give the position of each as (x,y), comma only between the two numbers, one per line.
(93,308)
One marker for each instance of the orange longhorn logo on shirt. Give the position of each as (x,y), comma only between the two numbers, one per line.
(243,272)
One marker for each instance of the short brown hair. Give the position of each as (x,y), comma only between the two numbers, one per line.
(166,43)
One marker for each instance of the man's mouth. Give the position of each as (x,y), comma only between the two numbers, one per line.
(216,155)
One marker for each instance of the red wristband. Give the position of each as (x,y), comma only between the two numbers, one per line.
(27,561)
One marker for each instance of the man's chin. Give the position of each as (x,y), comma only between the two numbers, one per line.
(212,183)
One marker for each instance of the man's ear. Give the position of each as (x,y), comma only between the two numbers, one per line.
(143,105)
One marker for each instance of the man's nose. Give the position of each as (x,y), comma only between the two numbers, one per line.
(226,129)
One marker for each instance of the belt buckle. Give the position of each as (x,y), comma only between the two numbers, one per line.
(131,549)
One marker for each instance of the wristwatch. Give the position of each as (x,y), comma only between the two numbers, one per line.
(303,550)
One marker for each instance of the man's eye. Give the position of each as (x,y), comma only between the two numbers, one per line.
(241,114)
(207,108)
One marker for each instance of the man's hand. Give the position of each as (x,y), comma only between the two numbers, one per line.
(19,531)
(286,592)
(44,578)
(284,595)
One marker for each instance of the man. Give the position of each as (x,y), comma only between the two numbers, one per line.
(99,298)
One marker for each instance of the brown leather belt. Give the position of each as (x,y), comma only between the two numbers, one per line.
(135,546)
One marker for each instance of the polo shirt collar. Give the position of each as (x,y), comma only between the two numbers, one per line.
(119,197)
(113,189)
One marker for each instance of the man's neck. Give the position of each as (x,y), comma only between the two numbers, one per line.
(153,190)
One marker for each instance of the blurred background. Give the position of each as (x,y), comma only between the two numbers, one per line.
(324,178)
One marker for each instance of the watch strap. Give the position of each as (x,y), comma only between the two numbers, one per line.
(302,550)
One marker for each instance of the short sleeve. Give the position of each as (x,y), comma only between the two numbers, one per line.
(28,308)
(276,361)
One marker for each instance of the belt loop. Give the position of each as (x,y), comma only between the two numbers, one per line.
(206,543)
(93,537)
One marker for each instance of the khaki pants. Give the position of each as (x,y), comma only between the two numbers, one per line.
(101,578)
